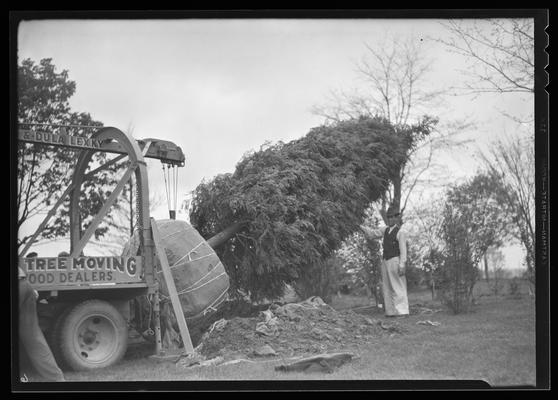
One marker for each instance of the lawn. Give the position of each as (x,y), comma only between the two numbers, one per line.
(494,343)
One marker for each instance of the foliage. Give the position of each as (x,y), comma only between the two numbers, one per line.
(394,76)
(415,271)
(44,171)
(413,136)
(500,59)
(459,273)
(415,277)
(496,258)
(321,279)
(486,221)
(433,269)
(362,259)
(299,201)
(473,221)
(424,221)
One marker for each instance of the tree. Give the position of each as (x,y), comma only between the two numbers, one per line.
(500,53)
(43,171)
(497,261)
(511,164)
(294,203)
(458,274)
(424,231)
(361,257)
(425,245)
(473,222)
(486,218)
(394,76)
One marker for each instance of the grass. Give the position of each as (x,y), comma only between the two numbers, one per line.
(494,343)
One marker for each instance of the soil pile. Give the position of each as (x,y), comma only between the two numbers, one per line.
(294,329)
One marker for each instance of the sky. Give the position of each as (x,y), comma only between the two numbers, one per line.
(221,88)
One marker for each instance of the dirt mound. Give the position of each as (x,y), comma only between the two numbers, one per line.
(309,327)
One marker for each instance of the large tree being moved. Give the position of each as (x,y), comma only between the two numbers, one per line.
(289,206)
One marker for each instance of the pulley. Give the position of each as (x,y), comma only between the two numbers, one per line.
(170,174)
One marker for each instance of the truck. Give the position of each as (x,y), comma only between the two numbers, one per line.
(85,300)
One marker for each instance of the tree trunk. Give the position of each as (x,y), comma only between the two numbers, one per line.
(220,238)
(432,285)
(486,267)
(379,298)
(369,293)
(397,190)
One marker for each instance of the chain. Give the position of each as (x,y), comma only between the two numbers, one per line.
(149,331)
(139,211)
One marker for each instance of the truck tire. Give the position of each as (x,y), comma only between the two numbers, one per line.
(91,335)
(54,335)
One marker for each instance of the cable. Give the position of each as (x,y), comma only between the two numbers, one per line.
(166,186)
(175,186)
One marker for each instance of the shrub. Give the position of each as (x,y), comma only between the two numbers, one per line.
(458,274)
(320,279)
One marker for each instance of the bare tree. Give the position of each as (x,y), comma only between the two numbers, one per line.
(512,160)
(124,223)
(393,77)
(500,51)
(426,218)
(500,59)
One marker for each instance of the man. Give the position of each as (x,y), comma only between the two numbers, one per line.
(394,283)
(36,360)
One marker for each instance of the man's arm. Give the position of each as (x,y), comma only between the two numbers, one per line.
(374,233)
(402,239)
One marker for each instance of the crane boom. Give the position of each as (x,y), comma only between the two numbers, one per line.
(167,152)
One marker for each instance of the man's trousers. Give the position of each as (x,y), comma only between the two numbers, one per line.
(36,359)
(394,288)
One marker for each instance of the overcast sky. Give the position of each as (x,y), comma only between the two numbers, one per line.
(219,88)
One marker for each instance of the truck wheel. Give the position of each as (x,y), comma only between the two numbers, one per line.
(93,334)
(54,335)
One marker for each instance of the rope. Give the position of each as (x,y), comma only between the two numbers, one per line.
(149,331)
(187,254)
(191,289)
(190,259)
(200,258)
(175,168)
(171,234)
(166,186)
(203,277)
(217,325)
(171,185)
(213,306)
